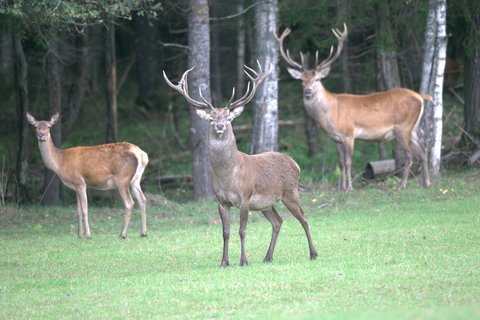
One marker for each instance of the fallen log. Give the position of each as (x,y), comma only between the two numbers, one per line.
(378,170)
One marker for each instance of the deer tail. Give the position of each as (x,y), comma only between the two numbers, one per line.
(427,97)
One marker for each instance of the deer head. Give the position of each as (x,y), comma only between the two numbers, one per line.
(221,118)
(311,79)
(42,128)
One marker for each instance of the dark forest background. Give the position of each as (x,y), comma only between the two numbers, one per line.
(62,56)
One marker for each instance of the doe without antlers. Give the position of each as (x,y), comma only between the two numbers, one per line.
(104,167)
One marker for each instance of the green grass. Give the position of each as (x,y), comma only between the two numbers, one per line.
(383,254)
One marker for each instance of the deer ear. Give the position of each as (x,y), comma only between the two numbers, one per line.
(235,113)
(323,72)
(31,119)
(54,119)
(203,114)
(296,74)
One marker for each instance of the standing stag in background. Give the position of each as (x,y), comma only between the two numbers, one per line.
(345,117)
(104,167)
(248,182)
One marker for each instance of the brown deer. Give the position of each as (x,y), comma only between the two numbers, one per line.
(345,117)
(248,182)
(104,167)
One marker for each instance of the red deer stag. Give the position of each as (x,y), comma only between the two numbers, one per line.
(248,182)
(104,167)
(345,117)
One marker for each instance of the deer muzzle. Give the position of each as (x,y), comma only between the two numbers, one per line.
(220,128)
(42,136)
(308,92)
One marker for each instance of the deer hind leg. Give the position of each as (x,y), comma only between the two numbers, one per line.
(276,221)
(82,211)
(420,150)
(348,147)
(405,140)
(123,189)
(341,159)
(142,203)
(243,231)
(292,204)
(224,213)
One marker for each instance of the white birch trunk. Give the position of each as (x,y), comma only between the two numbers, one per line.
(426,85)
(432,81)
(265,121)
(441,52)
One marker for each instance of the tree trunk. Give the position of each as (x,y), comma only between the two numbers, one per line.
(79,86)
(216,77)
(199,56)
(435,54)
(146,59)
(427,84)
(51,186)
(265,120)
(343,12)
(111,65)
(313,138)
(441,56)
(21,77)
(472,75)
(389,76)
(96,44)
(241,44)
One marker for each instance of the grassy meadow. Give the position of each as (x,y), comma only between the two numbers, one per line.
(383,254)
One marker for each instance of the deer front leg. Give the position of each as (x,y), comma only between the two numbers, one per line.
(225,217)
(348,148)
(243,231)
(79,216)
(83,204)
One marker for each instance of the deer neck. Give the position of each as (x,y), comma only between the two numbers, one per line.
(51,155)
(223,151)
(321,105)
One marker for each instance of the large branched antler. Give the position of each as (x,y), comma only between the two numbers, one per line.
(286,55)
(333,56)
(256,79)
(182,88)
(341,36)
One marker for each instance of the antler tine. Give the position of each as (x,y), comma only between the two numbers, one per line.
(332,57)
(182,88)
(302,58)
(341,35)
(231,98)
(255,80)
(286,55)
(209,104)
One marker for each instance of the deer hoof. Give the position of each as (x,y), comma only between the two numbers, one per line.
(268,259)
(225,264)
